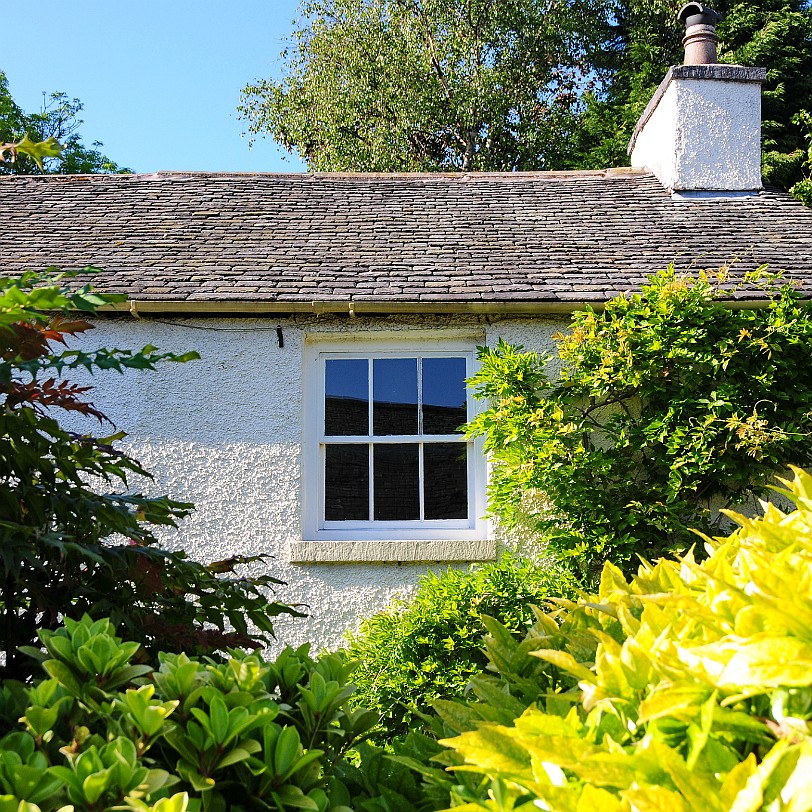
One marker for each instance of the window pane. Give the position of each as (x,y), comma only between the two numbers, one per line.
(396,492)
(346,482)
(445,480)
(444,409)
(394,392)
(346,397)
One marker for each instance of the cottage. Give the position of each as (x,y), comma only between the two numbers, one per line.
(337,317)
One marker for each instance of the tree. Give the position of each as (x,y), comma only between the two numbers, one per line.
(802,189)
(67,548)
(425,85)
(646,38)
(59,119)
(670,406)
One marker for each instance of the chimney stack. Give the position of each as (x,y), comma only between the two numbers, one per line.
(700,38)
(701,132)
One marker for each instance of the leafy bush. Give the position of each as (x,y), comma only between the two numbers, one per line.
(428,646)
(802,190)
(670,404)
(101,732)
(388,778)
(68,548)
(688,687)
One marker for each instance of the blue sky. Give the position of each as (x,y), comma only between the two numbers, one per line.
(160,81)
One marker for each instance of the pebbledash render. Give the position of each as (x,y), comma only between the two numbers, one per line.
(337,317)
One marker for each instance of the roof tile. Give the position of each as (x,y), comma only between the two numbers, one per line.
(537,237)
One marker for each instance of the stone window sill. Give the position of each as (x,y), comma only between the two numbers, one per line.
(401,552)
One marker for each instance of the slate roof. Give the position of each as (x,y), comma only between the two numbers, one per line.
(436,241)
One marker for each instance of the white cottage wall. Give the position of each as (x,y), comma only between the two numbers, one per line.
(225,432)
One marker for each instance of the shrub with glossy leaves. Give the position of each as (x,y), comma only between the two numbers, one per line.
(101,732)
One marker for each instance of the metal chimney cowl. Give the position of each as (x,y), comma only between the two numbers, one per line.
(700,38)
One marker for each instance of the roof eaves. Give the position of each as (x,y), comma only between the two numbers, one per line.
(210,307)
(214,307)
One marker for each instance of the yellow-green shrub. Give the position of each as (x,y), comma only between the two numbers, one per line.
(689,687)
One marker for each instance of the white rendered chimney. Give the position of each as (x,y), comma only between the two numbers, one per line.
(701,132)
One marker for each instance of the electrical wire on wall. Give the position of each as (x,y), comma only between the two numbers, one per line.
(280,339)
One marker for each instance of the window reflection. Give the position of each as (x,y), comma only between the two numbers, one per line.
(346,401)
(413,399)
(396,490)
(394,393)
(444,400)
(346,482)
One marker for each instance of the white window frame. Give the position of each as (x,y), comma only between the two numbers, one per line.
(314,527)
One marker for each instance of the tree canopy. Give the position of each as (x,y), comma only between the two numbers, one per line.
(439,85)
(59,119)
(421,85)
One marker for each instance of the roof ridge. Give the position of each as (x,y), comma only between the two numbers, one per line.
(565,174)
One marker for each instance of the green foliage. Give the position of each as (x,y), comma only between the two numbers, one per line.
(412,772)
(388,85)
(428,646)
(101,732)
(802,190)
(688,687)
(67,548)
(402,776)
(37,151)
(670,405)
(47,141)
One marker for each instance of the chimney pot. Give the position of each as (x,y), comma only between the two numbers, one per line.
(700,38)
